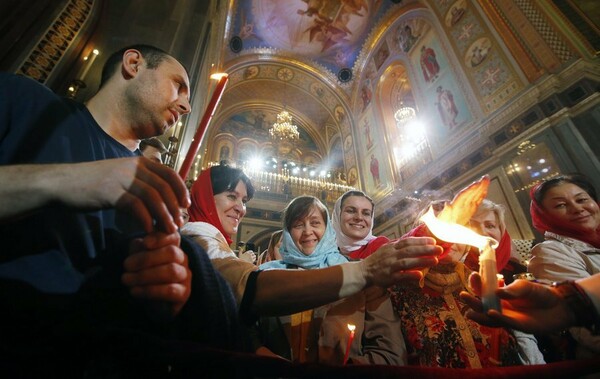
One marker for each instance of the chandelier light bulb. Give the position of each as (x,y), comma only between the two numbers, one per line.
(284,129)
(404,115)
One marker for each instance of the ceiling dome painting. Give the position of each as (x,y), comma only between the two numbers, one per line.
(330,32)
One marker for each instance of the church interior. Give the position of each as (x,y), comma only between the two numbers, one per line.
(406,100)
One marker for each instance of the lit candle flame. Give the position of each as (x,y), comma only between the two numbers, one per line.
(350,338)
(218,75)
(455,233)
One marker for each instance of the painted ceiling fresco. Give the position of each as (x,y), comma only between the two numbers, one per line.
(329,32)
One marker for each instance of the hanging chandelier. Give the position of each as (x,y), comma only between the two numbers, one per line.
(284,129)
(404,115)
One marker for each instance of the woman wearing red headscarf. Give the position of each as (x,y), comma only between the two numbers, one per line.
(219,198)
(565,209)
(489,221)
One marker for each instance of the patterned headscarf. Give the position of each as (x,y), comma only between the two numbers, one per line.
(345,243)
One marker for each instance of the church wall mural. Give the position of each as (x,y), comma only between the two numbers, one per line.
(491,77)
(445,106)
(374,166)
(441,101)
(224,148)
(438,67)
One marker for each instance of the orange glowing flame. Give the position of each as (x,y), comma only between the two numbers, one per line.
(218,75)
(455,233)
(351,327)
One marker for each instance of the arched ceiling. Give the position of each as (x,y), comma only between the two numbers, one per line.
(259,93)
(319,41)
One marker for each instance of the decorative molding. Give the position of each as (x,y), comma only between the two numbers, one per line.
(540,22)
(57,39)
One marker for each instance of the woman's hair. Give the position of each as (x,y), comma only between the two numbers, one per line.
(360,194)
(299,208)
(579,180)
(498,209)
(226,178)
(275,238)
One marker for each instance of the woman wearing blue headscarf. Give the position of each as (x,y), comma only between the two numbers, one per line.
(321,334)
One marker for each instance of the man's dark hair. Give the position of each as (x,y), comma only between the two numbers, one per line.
(152,55)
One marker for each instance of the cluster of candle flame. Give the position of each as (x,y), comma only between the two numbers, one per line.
(455,233)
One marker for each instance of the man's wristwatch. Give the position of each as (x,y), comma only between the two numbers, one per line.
(579,302)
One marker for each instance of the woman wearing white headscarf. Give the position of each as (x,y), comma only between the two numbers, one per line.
(352,221)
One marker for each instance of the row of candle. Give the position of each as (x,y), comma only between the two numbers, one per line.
(272,178)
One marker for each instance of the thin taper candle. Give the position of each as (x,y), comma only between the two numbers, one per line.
(208,114)
(350,338)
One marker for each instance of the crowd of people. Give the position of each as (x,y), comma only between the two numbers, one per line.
(99,252)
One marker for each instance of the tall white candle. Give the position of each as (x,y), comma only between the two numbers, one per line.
(489,279)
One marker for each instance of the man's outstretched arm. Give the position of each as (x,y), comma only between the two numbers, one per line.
(148,190)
